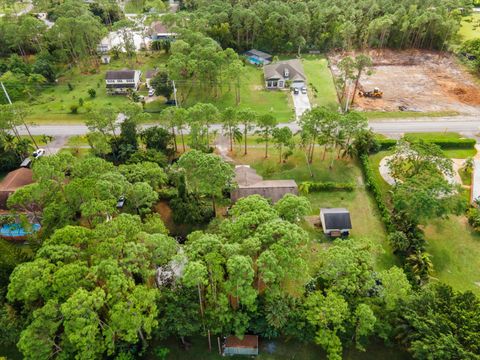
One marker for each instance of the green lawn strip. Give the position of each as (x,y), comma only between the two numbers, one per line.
(455,250)
(134,7)
(469,29)
(77,140)
(460,153)
(428,136)
(365,218)
(252,95)
(319,78)
(466,177)
(388,115)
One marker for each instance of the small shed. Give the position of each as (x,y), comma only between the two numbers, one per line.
(336,222)
(13,181)
(236,346)
(250,183)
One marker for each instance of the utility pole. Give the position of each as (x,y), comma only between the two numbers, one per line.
(24,123)
(175,93)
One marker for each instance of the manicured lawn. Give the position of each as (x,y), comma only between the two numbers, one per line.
(252,95)
(372,115)
(428,136)
(320,82)
(365,218)
(53,104)
(134,6)
(455,250)
(470,29)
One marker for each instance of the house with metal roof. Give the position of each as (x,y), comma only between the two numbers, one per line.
(248,345)
(284,74)
(336,222)
(13,181)
(250,183)
(121,81)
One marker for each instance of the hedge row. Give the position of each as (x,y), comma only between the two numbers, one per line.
(386,144)
(372,185)
(311,186)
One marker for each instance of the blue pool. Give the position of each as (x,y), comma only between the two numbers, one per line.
(17,230)
(254,60)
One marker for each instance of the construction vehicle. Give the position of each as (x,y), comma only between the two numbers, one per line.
(376,93)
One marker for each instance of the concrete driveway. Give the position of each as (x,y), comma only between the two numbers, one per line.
(301,103)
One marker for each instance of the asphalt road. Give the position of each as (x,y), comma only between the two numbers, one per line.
(468,126)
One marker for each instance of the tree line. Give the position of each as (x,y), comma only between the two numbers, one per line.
(286,26)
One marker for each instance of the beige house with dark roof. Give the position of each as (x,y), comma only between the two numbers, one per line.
(250,183)
(278,74)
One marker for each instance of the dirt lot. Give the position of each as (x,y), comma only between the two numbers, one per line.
(416,81)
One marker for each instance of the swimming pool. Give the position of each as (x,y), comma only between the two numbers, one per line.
(17,230)
(255,61)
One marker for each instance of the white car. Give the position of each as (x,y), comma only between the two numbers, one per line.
(38,153)
(304,90)
(151,92)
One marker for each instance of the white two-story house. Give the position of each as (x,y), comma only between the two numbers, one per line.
(121,81)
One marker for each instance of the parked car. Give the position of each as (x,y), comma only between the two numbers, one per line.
(295,91)
(121,202)
(304,90)
(38,153)
(151,92)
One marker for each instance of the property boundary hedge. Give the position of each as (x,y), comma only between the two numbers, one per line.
(386,144)
(372,185)
(311,186)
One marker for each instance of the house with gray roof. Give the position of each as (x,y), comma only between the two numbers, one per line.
(122,81)
(282,74)
(250,183)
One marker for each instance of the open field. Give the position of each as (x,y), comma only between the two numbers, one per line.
(365,219)
(470,27)
(252,95)
(320,82)
(53,104)
(418,81)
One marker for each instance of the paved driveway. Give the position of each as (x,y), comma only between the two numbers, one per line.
(301,103)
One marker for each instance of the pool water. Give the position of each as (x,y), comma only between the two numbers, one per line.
(17,230)
(254,60)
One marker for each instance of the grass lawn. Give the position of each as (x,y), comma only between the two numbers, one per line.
(372,115)
(470,29)
(275,349)
(252,95)
(53,104)
(454,246)
(455,250)
(365,218)
(320,82)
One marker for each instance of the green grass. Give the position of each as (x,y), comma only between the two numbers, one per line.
(460,153)
(365,218)
(372,115)
(53,104)
(134,6)
(470,29)
(428,136)
(321,87)
(252,95)
(455,250)
(466,177)
(275,349)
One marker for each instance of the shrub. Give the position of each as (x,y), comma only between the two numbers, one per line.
(92,93)
(167,194)
(70,87)
(74,109)
(80,102)
(310,186)
(373,186)
(386,144)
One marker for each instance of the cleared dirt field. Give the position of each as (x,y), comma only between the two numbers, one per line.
(416,80)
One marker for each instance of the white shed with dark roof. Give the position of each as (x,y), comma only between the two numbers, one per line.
(336,222)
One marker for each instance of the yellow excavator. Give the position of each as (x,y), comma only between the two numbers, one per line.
(375,93)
